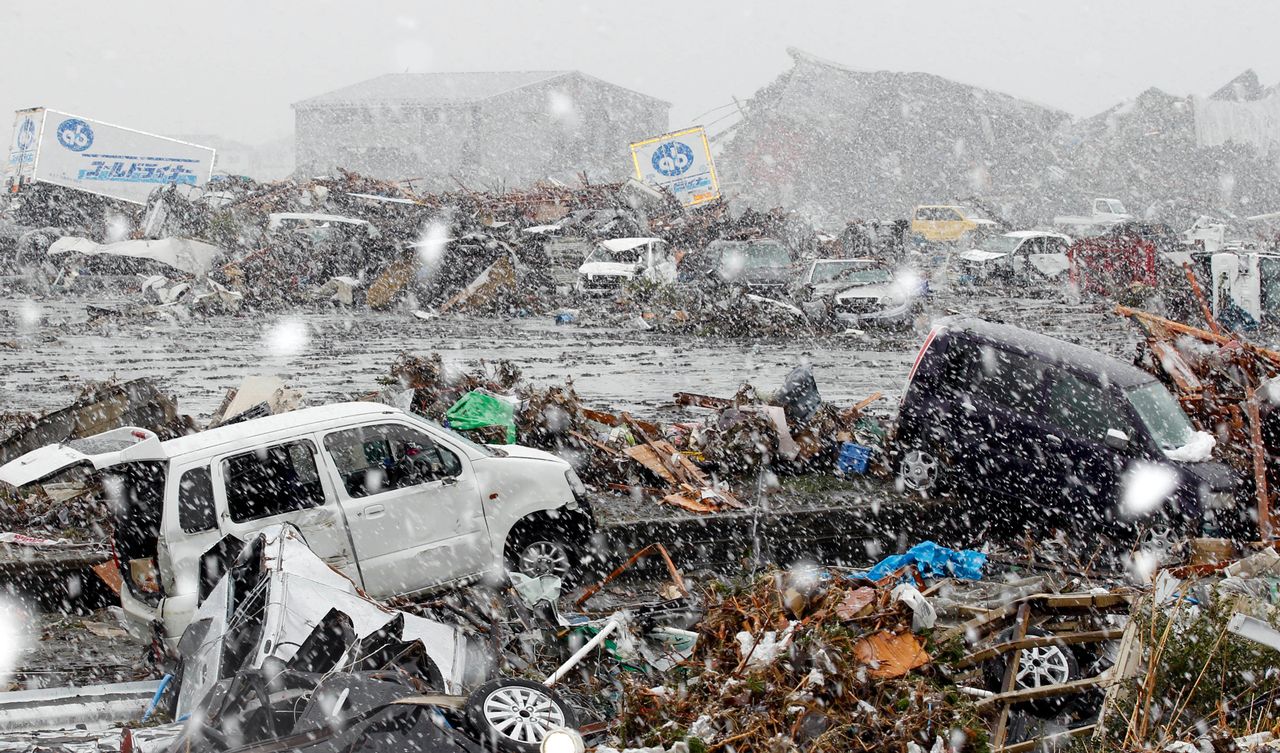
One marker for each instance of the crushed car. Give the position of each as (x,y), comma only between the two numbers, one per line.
(762,266)
(856,292)
(399,504)
(286,652)
(617,261)
(1020,258)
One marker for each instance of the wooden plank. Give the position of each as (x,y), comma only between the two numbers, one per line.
(1199,294)
(1001,730)
(1128,659)
(1057,603)
(648,457)
(1037,641)
(609,419)
(852,412)
(1036,743)
(1045,691)
(601,446)
(1185,329)
(701,401)
(1266,526)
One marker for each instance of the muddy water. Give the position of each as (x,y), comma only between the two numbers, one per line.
(50,346)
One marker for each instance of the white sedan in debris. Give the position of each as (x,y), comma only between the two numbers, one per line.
(1020,257)
(398,504)
(615,262)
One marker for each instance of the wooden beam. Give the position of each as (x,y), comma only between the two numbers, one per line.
(1199,294)
(701,401)
(1185,329)
(1035,744)
(1001,730)
(1038,641)
(1266,525)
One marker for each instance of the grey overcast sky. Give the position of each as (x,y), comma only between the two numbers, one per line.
(232,67)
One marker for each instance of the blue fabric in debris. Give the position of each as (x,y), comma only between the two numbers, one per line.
(933,561)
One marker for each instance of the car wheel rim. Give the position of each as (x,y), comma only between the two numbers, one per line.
(544,558)
(919,470)
(1162,543)
(522,714)
(1043,665)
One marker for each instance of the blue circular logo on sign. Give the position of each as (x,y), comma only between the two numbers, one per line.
(27,134)
(75,134)
(673,158)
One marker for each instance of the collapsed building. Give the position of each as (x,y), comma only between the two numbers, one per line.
(512,127)
(835,142)
(838,143)
(1174,158)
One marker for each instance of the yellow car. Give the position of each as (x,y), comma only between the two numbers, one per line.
(943,224)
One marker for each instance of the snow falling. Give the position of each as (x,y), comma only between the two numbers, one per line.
(644,380)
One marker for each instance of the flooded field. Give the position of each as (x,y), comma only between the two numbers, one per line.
(50,347)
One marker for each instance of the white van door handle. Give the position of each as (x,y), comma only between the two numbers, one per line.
(373,511)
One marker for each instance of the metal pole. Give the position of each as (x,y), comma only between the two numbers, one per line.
(588,647)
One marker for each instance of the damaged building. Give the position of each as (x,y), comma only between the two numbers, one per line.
(479,128)
(839,143)
(836,143)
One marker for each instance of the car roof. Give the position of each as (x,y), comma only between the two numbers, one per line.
(1050,349)
(1036,234)
(302,420)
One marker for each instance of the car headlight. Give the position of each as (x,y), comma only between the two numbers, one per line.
(562,740)
(578,488)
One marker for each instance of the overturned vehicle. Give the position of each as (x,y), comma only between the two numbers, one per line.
(286,653)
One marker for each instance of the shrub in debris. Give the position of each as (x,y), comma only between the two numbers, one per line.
(800,662)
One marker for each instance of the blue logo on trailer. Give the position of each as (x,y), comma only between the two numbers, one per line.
(26,133)
(673,158)
(75,134)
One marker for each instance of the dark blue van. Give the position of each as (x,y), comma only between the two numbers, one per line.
(1054,428)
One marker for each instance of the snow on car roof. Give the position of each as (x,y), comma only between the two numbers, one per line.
(1035,234)
(270,424)
(626,244)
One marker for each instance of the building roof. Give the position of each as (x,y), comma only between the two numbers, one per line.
(439,88)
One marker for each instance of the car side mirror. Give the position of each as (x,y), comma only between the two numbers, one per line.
(1116,439)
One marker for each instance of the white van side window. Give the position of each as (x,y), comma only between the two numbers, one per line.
(375,459)
(272,480)
(196,512)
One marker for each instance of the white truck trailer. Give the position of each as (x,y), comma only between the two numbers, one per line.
(88,155)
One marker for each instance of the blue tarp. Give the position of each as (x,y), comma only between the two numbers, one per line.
(933,561)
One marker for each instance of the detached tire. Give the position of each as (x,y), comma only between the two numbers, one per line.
(1039,667)
(514,715)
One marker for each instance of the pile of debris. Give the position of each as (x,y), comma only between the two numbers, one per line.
(1227,386)
(692,465)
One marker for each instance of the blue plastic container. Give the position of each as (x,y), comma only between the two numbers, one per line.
(854,458)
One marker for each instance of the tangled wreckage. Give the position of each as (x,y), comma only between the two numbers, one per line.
(287,604)
(469,560)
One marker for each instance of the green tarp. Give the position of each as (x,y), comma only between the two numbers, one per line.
(478,409)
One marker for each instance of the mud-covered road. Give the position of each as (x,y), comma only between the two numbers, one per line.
(48,347)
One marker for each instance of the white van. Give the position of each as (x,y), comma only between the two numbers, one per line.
(617,261)
(397,503)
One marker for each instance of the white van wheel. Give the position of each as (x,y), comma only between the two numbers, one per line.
(544,557)
(920,470)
